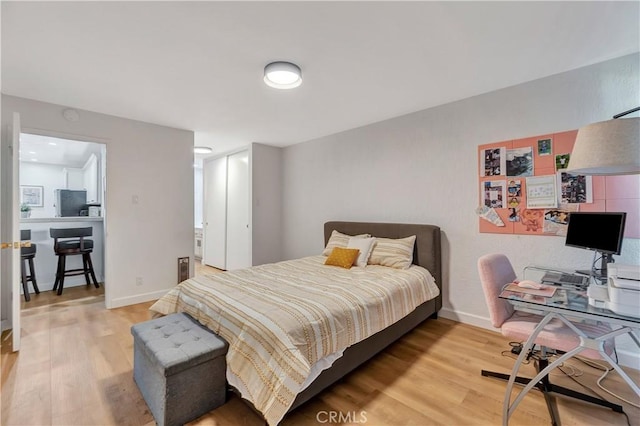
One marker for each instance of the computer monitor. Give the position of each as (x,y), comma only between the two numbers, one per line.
(598,231)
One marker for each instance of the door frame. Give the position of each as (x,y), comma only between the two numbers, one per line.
(103,189)
(10,226)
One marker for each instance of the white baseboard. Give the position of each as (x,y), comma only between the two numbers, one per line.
(628,355)
(5,325)
(465,318)
(628,358)
(132,300)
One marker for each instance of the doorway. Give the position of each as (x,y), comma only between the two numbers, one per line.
(227,235)
(62,186)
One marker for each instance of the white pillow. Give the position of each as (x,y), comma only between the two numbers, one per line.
(364,245)
(338,239)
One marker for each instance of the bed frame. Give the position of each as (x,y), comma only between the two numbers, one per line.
(427,253)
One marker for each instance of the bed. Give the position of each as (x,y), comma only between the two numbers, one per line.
(284,347)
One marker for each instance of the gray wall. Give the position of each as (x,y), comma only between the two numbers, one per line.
(151,162)
(266,204)
(422,168)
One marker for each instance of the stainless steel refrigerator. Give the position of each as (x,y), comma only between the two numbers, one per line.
(69,202)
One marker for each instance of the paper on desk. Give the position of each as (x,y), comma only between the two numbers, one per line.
(545,291)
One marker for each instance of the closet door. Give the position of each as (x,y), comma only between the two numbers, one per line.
(238,232)
(215,212)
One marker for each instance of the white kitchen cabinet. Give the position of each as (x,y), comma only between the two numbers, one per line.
(73,178)
(90,179)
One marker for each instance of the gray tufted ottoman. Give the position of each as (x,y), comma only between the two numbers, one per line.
(179,366)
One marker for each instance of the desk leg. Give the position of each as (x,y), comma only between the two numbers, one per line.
(614,364)
(597,343)
(540,375)
(507,408)
(632,333)
(586,342)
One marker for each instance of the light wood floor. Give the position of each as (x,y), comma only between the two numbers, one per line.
(201,269)
(75,368)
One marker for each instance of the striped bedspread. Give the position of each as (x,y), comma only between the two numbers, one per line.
(281,318)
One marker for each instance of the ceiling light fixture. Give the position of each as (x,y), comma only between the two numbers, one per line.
(282,75)
(202,150)
(608,148)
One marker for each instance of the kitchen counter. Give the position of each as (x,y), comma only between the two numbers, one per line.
(61,219)
(46,261)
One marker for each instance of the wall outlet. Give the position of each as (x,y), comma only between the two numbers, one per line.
(139,281)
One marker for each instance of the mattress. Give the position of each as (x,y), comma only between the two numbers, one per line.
(283,321)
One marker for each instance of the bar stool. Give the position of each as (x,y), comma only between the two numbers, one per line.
(27,254)
(70,242)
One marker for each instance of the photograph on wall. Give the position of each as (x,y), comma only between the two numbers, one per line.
(490,215)
(514,215)
(32,195)
(544,147)
(492,162)
(520,161)
(556,220)
(541,192)
(575,188)
(514,192)
(562,161)
(494,193)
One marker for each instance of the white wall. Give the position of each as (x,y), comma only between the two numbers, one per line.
(149,195)
(198,190)
(266,207)
(422,168)
(49,176)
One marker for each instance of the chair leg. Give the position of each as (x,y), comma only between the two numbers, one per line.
(560,390)
(545,386)
(85,268)
(55,284)
(91,271)
(520,380)
(32,276)
(25,287)
(553,409)
(63,268)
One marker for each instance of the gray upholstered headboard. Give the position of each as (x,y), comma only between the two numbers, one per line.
(427,252)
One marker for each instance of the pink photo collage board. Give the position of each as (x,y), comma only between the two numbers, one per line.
(523,182)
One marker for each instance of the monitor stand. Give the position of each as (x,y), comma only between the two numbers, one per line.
(600,274)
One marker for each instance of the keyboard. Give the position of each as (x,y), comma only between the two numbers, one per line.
(558,278)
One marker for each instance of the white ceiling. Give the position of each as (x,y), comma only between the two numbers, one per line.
(59,152)
(198,65)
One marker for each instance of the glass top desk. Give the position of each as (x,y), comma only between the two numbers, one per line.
(567,304)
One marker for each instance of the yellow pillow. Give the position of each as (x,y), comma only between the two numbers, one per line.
(342,257)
